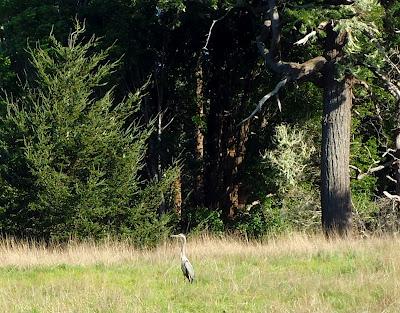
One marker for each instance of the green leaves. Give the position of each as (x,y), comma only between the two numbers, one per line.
(83,164)
(7,76)
(291,155)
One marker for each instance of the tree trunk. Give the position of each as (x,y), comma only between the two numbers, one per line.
(215,144)
(177,187)
(397,164)
(335,177)
(397,153)
(199,153)
(233,164)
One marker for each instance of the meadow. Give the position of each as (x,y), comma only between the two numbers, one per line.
(295,273)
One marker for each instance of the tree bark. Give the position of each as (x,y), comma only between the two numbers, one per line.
(177,187)
(199,152)
(397,163)
(235,157)
(213,166)
(335,156)
(397,142)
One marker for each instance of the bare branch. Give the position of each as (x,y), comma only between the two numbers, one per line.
(169,123)
(391,179)
(304,40)
(389,152)
(209,34)
(251,205)
(265,98)
(361,175)
(392,197)
(393,89)
(212,26)
(279,103)
(394,66)
(290,71)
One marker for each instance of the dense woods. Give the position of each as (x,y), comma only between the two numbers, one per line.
(133,119)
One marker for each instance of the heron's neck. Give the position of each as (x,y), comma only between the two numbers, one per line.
(183,247)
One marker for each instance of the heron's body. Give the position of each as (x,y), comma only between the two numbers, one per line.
(187,268)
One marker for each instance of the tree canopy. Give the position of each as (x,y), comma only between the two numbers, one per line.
(249,116)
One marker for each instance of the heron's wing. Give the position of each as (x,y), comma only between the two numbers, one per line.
(187,269)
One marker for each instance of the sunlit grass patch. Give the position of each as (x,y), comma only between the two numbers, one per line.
(292,274)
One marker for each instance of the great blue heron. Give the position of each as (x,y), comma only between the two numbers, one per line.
(186,267)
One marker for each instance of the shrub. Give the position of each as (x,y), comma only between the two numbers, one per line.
(295,205)
(203,219)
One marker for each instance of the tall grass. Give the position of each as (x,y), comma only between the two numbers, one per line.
(295,273)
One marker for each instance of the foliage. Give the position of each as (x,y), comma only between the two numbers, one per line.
(6,73)
(201,220)
(48,159)
(70,165)
(296,197)
(291,155)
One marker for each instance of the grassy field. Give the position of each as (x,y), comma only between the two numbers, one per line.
(291,274)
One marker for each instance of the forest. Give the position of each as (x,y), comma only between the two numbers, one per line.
(135,119)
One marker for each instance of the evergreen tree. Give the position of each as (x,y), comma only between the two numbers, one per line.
(70,162)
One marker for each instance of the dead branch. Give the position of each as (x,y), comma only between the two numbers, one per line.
(304,40)
(361,175)
(392,197)
(169,123)
(212,26)
(394,66)
(392,88)
(265,98)
(209,34)
(391,179)
(278,101)
(390,153)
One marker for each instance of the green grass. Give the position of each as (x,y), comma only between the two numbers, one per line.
(296,274)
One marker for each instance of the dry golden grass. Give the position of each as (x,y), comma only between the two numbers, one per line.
(28,254)
(295,273)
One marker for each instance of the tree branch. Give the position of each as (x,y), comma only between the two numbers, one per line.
(212,26)
(291,70)
(391,179)
(304,40)
(361,175)
(265,98)
(392,197)
(209,34)
(393,89)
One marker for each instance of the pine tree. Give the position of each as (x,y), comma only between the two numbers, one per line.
(70,162)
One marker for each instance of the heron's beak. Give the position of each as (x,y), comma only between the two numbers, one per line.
(174,236)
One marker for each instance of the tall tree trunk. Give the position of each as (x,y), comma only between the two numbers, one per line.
(213,187)
(335,177)
(397,165)
(235,157)
(177,188)
(397,142)
(199,152)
